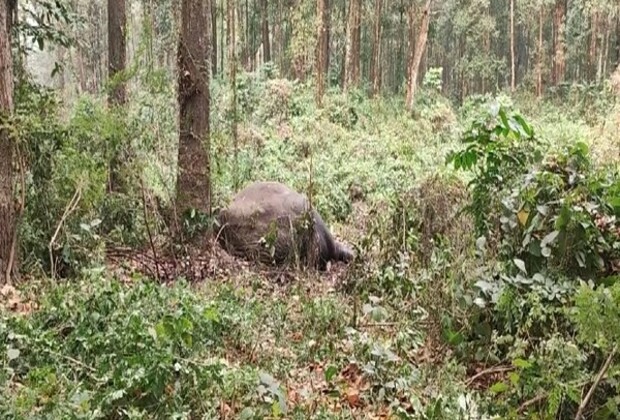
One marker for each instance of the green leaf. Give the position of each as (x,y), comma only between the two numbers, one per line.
(247,413)
(520,265)
(330,372)
(549,238)
(12,353)
(521,363)
(498,387)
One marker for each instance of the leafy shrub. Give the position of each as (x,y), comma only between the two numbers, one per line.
(553,222)
(97,348)
(500,147)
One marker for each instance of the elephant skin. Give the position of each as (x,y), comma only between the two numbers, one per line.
(271,223)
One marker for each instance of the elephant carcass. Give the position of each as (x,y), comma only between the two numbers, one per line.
(271,223)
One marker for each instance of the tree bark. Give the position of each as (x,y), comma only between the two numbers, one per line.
(213,43)
(232,69)
(117,58)
(327,29)
(411,41)
(593,41)
(419,51)
(117,49)
(7,207)
(375,63)
(539,64)
(193,181)
(559,47)
(352,60)
(265,31)
(320,60)
(512,47)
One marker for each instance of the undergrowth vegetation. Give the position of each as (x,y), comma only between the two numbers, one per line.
(485,281)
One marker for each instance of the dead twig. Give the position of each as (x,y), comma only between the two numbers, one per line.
(148,232)
(68,210)
(488,371)
(20,212)
(596,382)
(532,401)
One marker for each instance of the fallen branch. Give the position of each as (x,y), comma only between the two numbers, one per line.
(488,371)
(532,401)
(596,382)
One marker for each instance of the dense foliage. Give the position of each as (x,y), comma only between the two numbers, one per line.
(486,226)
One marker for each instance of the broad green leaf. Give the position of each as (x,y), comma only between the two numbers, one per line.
(521,363)
(520,265)
(330,372)
(498,387)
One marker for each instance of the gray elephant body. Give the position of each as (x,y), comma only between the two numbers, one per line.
(271,223)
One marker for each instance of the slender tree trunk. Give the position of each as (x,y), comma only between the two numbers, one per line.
(322,40)
(419,51)
(117,57)
(327,29)
(592,49)
(7,208)
(513,72)
(599,66)
(617,60)
(232,65)
(375,63)
(352,60)
(213,12)
(193,181)
(265,31)
(411,41)
(608,26)
(559,61)
(539,81)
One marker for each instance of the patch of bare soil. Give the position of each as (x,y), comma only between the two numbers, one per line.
(12,300)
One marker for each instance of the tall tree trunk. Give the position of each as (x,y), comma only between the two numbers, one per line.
(265,31)
(213,43)
(513,72)
(599,66)
(193,181)
(7,209)
(559,24)
(617,60)
(327,29)
(608,26)
(321,11)
(375,63)
(117,49)
(592,49)
(539,64)
(417,57)
(411,40)
(232,69)
(352,60)
(117,57)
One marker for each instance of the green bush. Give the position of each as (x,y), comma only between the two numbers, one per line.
(99,349)
(545,225)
